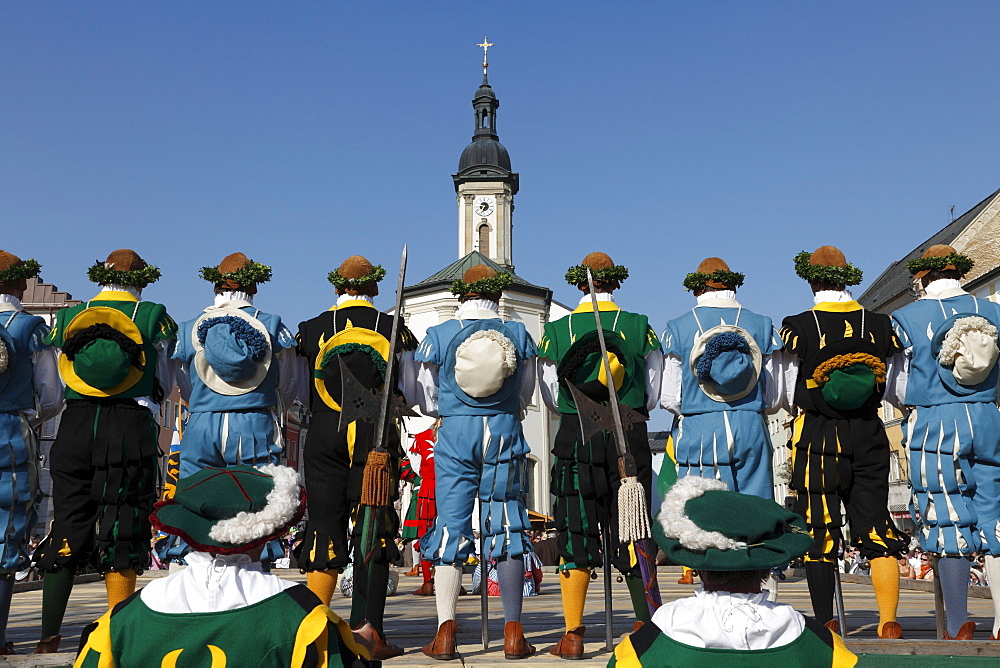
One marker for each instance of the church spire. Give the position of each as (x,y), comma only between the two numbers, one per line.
(485,103)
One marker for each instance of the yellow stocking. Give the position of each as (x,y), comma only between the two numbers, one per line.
(573,583)
(885,579)
(120,585)
(323,584)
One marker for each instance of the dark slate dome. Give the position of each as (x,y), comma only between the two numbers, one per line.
(484,151)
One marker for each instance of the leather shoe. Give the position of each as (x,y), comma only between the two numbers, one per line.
(570,646)
(443,645)
(833,625)
(687,578)
(964,632)
(48,645)
(8,649)
(514,644)
(426,589)
(383,649)
(891,631)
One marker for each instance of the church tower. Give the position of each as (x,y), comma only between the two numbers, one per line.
(485,184)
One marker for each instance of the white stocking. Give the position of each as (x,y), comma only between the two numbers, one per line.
(992,570)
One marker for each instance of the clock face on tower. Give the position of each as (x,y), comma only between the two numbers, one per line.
(483,205)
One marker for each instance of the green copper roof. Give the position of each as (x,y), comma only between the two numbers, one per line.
(457,269)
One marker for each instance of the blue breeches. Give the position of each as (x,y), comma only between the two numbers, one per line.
(478,456)
(954,454)
(19,491)
(732,446)
(230,438)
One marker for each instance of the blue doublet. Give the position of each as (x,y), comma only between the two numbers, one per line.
(19,465)
(953,438)
(225,430)
(480,452)
(714,439)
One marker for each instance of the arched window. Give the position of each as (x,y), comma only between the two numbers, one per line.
(486,119)
(484,239)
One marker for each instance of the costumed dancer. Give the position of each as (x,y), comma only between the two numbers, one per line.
(733,540)
(223,610)
(952,430)
(115,363)
(238,371)
(837,354)
(477,372)
(424,509)
(720,359)
(30,394)
(585,476)
(355,335)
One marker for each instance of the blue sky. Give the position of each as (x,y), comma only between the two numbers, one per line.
(662,133)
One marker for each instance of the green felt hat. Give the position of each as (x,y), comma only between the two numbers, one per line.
(847,373)
(232,510)
(702,525)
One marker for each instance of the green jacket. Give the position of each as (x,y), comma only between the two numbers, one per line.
(627,332)
(290,629)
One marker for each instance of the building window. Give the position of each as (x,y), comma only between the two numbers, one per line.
(529,484)
(484,239)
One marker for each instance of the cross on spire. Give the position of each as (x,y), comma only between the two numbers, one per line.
(486,45)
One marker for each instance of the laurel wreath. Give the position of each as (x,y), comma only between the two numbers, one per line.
(696,281)
(819,273)
(341,283)
(484,286)
(26,269)
(250,273)
(578,275)
(137,278)
(963,263)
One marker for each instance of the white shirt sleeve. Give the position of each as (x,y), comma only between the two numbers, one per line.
(46,384)
(527,389)
(897,372)
(788,369)
(670,388)
(426,386)
(775,391)
(654,374)
(291,369)
(183,379)
(548,383)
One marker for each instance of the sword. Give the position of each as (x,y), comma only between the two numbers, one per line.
(390,364)
(633,510)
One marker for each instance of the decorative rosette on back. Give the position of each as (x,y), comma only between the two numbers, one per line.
(479,360)
(232,350)
(727,362)
(965,346)
(364,351)
(847,373)
(103,352)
